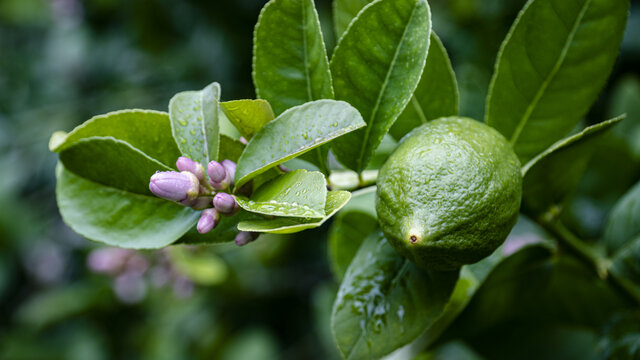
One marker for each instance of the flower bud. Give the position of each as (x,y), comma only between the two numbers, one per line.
(176,186)
(186,164)
(199,203)
(218,176)
(245,237)
(230,166)
(208,220)
(225,203)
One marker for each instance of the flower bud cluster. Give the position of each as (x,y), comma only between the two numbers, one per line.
(190,187)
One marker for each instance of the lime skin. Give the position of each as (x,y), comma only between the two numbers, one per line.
(449,194)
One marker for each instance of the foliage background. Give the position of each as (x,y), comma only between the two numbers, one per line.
(63,61)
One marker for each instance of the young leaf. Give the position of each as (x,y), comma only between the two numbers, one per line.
(385,301)
(436,95)
(118,217)
(111,162)
(376,67)
(298,193)
(551,67)
(146,130)
(194,122)
(286,225)
(248,116)
(294,132)
(343,13)
(290,65)
(550,176)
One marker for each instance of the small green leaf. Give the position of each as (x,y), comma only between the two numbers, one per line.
(436,95)
(146,130)
(201,266)
(290,65)
(376,67)
(553,174)
(551,67)
(335,201)
(230,148)
(294,132)
(117,217)
(194,122)
(298,193)
(111,162)
(344,11)
(385,301)
(248,116)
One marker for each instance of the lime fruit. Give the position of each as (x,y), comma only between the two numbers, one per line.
(449,194)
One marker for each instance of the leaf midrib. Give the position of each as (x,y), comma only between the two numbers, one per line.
(565,49)
(384,88)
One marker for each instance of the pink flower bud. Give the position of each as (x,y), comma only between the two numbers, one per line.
(208,220)
(176,186)
(225,203)
(186,164)
(245,237)
(218,176)
(230,166)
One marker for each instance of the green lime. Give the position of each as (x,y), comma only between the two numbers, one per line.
(450,193)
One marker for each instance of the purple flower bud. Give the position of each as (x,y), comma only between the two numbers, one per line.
(245,237)
(199,203)
(186,164)
(208,220)
(218,176)
(230,166)
(176,186)
(243,140)
(224,203)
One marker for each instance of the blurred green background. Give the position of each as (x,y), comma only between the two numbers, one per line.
(64,297)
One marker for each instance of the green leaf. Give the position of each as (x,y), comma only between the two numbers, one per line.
(376,67)
(111,162)
(117,217)
(348,231)
(553,174)
(248,116)
(621,336)
(335,201)
(625,99)
(436,95)
(146,130)
(551,67)
(194,122)
(299,193)
(351,226)
(230,148)
(623,224)
(294,132)
(343,13)
(290,65)
(201,266)
(385,301)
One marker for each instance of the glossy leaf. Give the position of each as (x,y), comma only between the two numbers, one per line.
(117,217)
(248,116)
(436,95)
(376,67)
(146,130)
(551,67)
(553,174)
(348,231)
(286,225)
(194,122)
(344,11)
(385,301)
(290,65)
(294,132)
(112,163)
(230,148)
(299,193)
